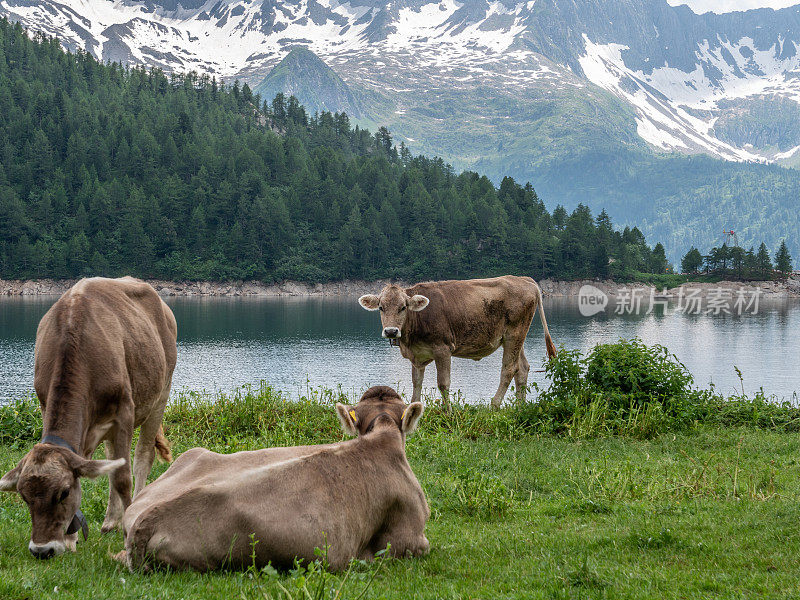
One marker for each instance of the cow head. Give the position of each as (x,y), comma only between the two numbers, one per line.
(394,305)
(380,405)
(48,480)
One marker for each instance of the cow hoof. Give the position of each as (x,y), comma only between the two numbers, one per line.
(424,548)
(108,527)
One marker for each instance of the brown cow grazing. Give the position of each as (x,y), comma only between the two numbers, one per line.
(105,352)
(209,511)
(437,320)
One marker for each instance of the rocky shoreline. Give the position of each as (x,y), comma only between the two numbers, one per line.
(556,289)
(789,288)
(55,287)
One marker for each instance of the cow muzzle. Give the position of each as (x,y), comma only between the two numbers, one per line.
(48,550)
(391,333)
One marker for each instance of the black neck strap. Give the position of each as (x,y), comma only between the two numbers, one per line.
(57,441)
(78,522)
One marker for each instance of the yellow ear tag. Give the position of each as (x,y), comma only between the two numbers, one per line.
(403,416)
(353,415)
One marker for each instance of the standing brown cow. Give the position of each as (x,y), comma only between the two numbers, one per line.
(105,352)
(437,320)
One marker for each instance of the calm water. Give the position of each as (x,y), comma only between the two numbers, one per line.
(296,342)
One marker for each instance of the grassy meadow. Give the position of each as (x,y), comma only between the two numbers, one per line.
(619,481)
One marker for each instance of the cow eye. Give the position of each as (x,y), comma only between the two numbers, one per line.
(402,308)
(63,495)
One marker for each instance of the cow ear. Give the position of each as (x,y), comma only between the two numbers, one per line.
(9,481)
(348,418)
(369,301)
(95,468)
(411,416)
(417,302)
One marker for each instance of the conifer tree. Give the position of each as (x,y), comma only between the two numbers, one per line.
(692,261)
(763,262)
(783,261)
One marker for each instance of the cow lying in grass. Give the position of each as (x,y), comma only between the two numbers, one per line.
(211,511)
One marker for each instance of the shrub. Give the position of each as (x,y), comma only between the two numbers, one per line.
(633,375)
(626,388)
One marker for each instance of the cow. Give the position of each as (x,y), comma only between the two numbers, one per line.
(435,321)
(103,363)
(210,511)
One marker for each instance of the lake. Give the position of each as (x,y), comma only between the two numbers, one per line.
(295,343)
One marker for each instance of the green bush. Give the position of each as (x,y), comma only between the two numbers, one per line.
(625,388)
(632,375)
(629,388)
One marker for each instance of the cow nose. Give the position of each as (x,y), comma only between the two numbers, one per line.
(391,332)
(42,552)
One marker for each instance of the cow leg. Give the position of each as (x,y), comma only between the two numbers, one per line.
(119,496)
(115,508)
(404,546)
(443,376)
(521,377)
(417,374)
(145,452)
(405,534)
(511,350)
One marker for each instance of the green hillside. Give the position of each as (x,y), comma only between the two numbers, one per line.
(109,170)
(581,147)
(578,144)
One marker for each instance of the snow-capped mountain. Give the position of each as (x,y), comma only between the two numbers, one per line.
(692,83)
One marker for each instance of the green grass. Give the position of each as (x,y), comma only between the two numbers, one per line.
(671,280)
(696,511)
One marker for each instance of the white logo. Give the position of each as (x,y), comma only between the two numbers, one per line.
(591,300)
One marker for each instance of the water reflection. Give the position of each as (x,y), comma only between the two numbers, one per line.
(295,342)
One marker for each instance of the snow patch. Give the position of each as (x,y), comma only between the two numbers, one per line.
(787,154)
(657,99)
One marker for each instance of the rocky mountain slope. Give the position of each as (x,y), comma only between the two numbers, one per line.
(574,95)
(304,75)
(678,71)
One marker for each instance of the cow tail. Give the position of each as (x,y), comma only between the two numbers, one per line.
(163,446)
(551,347)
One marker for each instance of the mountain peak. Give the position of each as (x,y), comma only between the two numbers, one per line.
(303,74)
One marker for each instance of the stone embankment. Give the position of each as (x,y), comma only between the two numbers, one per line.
(555,289)
(44,287)
(789,288)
